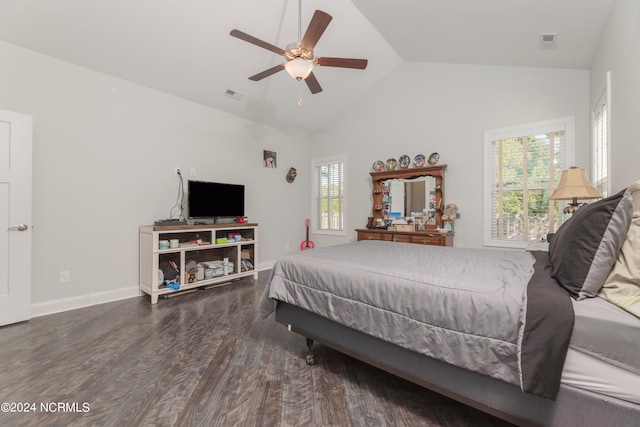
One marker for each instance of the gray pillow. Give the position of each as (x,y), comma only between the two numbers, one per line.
(586,246)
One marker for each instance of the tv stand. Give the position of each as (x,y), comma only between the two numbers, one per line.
(203,244)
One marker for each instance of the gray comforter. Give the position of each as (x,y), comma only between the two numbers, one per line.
(467,307)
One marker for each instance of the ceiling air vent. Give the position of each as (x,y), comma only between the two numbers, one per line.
(233,94)
(548,40)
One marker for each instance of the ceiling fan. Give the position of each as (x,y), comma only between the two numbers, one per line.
(299,56)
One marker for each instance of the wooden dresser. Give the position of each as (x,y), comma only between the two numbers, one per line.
(424,237)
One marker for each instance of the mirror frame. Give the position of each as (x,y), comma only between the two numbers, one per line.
(436,171)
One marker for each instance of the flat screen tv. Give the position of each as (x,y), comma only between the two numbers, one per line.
(214,200)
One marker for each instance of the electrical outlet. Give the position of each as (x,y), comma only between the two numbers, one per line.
(65,277)
(177,170)
(193,172)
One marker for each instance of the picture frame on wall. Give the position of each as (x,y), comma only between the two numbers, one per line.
(269,159)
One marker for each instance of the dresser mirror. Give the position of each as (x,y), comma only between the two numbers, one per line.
(402,192)
(408,196)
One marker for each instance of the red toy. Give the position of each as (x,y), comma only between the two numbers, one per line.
(306,244)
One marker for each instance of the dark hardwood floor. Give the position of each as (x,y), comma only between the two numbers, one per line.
(200,359)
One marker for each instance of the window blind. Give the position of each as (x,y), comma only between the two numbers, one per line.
(600,149)
(330,191)
(526,170)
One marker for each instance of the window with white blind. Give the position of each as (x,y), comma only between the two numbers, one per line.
(600,144)
(329,195)
(523,165)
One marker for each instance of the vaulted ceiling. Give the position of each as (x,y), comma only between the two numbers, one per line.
(184,48)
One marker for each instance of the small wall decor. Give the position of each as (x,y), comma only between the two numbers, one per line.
(378,166)
(434,158)
(269,159)
(419,160)
(291,175)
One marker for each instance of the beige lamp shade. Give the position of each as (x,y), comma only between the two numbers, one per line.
(574,184)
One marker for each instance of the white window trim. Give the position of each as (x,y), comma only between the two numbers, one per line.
(606,92)
(566,123)
(314,196)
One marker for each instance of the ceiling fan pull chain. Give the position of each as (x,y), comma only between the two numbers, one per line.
(299,96)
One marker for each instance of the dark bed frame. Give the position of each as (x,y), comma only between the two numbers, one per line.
(573,406)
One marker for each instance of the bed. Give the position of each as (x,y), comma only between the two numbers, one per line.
(534,337)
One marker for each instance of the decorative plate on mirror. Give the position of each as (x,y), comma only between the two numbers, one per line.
(404,161)
(378,166)
(433,159)
(419,160)
(390,164)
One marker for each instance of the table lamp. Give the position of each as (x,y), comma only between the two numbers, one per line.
(574,184)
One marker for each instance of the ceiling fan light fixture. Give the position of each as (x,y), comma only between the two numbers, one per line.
(299,68)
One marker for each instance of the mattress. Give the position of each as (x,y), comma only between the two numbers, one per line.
(466,307)
(604,351)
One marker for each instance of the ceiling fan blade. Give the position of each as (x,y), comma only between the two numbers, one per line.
(360,64)
(267,73)
(319,23)
(253,40)
(313,84)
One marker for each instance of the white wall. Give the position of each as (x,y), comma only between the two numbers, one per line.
(104,152)
(445,108)
(104,155)
(619,52)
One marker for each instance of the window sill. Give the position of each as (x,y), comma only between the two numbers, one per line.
(341,233)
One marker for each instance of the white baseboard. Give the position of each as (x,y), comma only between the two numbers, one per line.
(266,265)
(64,304)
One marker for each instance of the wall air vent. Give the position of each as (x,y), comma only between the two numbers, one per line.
(233,94)
(548,40)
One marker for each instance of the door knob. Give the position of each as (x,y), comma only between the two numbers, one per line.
(21,227)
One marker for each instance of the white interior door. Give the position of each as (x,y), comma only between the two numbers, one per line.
(15,217)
